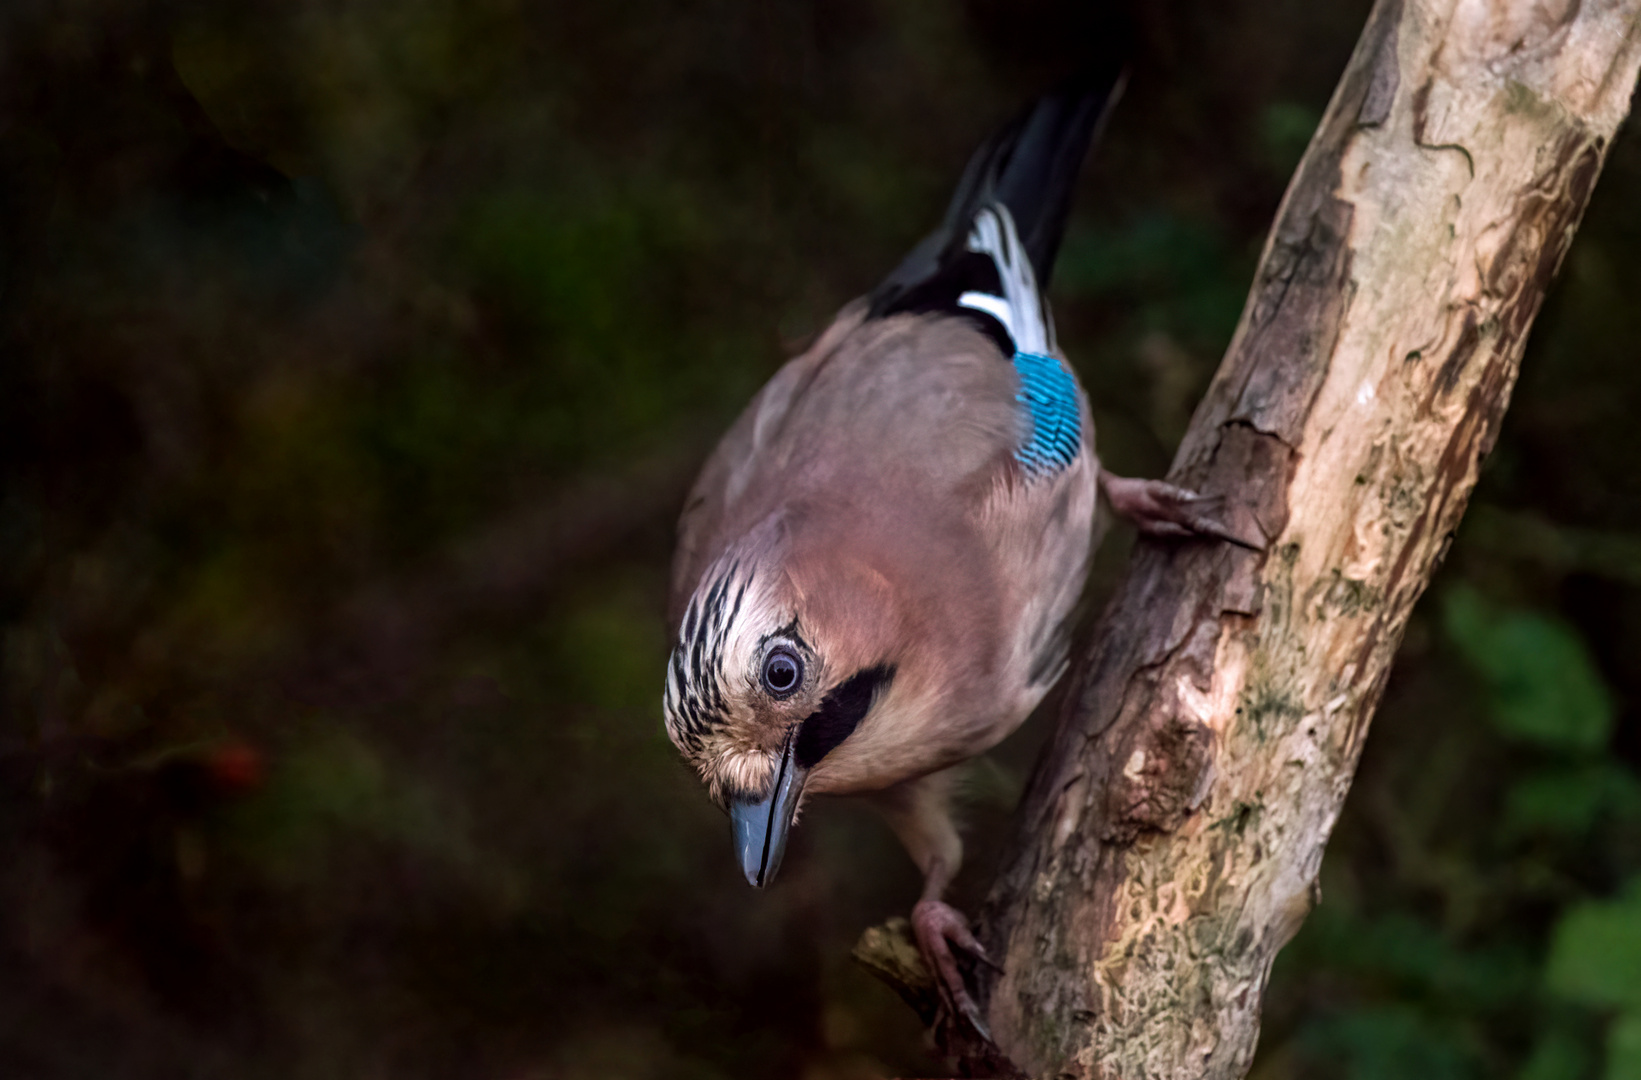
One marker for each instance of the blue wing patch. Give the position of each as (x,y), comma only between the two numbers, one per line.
(1049,393)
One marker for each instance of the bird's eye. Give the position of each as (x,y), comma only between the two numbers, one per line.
(783,671)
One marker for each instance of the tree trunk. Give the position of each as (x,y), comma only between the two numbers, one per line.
(1171,835)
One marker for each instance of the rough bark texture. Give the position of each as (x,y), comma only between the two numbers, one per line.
(1172,833)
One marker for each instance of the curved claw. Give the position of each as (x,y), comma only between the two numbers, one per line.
(937,926)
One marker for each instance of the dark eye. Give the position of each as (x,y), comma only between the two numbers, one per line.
(783,671)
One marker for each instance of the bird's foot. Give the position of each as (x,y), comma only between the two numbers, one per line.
(938,926)
(1158,508)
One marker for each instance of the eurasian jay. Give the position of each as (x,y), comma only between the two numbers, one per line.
(877,565)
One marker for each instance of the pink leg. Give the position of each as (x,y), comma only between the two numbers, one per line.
(1158,508)
(920,813)
(938,926)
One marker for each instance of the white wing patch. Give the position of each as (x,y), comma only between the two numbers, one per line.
(1020,309)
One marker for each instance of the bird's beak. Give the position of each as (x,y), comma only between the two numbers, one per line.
(761,825)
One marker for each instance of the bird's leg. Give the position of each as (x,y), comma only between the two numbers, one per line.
(1158,508)
(919,811)
(938,926)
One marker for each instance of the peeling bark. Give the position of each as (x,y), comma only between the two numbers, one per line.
(1171,836)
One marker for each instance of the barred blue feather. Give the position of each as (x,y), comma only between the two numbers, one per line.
(1049,393)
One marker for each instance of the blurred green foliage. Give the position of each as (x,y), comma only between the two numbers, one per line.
(1543,686)
(358,355)
(1595,954)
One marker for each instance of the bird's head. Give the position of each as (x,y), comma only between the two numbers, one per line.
(777,662)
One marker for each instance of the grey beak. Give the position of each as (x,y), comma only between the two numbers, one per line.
(761,825)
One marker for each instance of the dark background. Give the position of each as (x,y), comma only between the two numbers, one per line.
(356,356)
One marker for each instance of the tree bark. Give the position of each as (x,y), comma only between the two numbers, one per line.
(1170,838)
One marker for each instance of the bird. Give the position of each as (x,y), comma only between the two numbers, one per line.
(877,568)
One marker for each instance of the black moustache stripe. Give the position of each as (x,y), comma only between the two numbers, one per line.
(840,712)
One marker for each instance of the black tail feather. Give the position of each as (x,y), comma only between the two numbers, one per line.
(1031,167)
(1037,169)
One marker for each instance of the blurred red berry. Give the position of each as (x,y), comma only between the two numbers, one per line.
(235,767)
